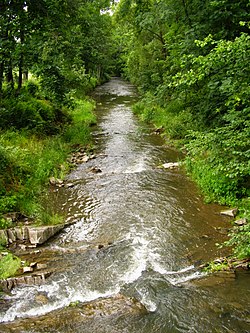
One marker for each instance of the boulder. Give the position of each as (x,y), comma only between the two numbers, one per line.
(241,222)
(27,269)
(34,279)
(171,165)
(55,181)
(41,266)
(11,235)
(39,235)
(230,212)
(4,239)
(21,233)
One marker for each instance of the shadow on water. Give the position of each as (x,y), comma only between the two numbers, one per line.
(138,231)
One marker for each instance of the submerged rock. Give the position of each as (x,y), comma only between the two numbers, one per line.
(171,165)
(76,314)
(95,170)
(214,279)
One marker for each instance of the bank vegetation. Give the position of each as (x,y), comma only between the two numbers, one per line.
(189,59)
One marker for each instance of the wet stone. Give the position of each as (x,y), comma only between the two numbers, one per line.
(241,222)
(230,212)
(78,313)
(27,269)
(171,165)
(41,266)
(39,235)
(95,170)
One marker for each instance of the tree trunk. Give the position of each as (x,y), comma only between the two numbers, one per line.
(25,75)
(21,55)
(9,76)
(20,69)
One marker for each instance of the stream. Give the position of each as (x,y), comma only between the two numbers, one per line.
(136,230)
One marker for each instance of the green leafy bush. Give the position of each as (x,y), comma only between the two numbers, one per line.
(9,265)
(32,87)
(175,121)
(240,241)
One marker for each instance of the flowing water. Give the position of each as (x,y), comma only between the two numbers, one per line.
(138,230)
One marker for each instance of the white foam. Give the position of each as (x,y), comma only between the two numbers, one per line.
(139,166)
(22,310)
(181,279)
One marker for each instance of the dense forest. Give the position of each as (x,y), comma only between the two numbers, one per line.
(189,60)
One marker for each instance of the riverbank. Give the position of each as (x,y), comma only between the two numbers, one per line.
(214,160)
(136,230)
(31,157)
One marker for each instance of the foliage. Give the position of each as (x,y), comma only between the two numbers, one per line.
(65,43)
(43,217)
(190,61)
(28,164)
(219,161)
(9,265)
(27,161)
(175,122)
(214,266)
(78,133)
(240,241)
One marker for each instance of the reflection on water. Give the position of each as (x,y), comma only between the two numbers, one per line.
(153,230)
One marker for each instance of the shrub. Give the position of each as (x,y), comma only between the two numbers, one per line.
(175,121)
(33,88)
(240,241)
(9,265)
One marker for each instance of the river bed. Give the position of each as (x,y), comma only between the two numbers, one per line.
(137,230)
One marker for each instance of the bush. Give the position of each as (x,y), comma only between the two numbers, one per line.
(240,241)
(175,121)
(9,265)
(26,164)
(33,88)
(220,162)
(27,160)
(36,115)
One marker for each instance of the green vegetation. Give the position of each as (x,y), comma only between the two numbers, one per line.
(190,61)
(28,158)
(9,265)
(51,55)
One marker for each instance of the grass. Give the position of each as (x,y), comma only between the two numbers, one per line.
(36,138)
(28,160)
(82,119)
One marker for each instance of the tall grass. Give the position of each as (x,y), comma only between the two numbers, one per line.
(174,119)
(28,160)
(78,132)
